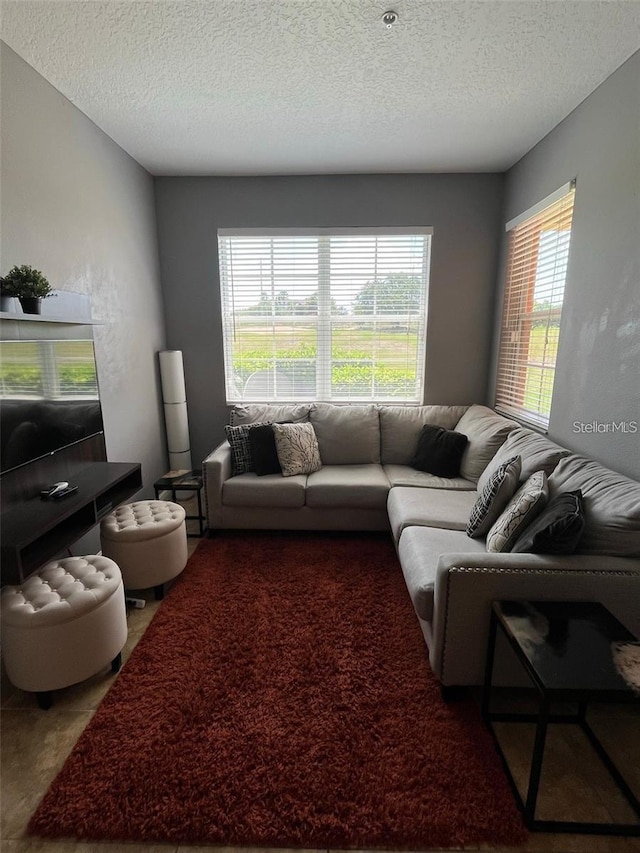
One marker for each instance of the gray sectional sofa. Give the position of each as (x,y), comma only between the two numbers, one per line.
(366,483)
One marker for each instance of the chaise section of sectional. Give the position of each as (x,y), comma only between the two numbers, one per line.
(452,579)
(465,584)
(433,508)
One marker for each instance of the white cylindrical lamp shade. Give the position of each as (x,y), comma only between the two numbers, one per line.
(180,462)
(175,417)
(172,376)
(175,410)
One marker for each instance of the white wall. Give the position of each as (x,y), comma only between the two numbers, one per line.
(77,207)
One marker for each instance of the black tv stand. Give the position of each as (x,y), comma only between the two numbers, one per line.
(34,531)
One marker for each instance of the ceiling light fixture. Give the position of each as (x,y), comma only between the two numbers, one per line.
(389,19)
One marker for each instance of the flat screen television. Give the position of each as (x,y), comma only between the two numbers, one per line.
(49,398)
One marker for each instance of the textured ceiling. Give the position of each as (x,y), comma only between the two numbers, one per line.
(320,86)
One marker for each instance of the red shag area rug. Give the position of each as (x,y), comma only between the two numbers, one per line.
(282,697)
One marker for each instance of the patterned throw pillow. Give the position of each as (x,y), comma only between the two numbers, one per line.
(524,506)
(494,497)
(297,448)
(241,455)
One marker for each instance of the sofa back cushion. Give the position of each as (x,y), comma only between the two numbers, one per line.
(400,428)
(347,435)
(268,413)
(487,431)
(611,505)
(536,452)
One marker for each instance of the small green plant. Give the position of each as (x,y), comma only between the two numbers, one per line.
(25,281)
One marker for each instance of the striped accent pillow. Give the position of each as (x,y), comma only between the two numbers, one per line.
(494,497)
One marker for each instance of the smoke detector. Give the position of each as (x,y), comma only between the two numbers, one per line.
(389,19)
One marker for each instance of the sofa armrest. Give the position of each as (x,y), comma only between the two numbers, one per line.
(466,584)
(216,468)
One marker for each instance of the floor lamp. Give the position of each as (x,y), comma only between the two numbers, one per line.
(175,409)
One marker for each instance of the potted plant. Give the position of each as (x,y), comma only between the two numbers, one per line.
(6,296)
(29,285)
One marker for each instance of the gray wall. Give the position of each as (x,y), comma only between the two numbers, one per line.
(77,207)
(598,367)
(464,211)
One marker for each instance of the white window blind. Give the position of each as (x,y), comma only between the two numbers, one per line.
(324,314)
(538,254)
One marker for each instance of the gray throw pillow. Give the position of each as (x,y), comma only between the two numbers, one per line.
(527,503)
(494,497)
(297,448)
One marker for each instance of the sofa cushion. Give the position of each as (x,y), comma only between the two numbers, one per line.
(428,508)
(557,530)
(403,475)
(241,453)
(494,497)
(400,428)
(487,432)
(524,506)
(439,451)
(419,550)
(269,412)
(297,448)
(611,505)
(272,490)
(362,486)
(536,452)
(347,435)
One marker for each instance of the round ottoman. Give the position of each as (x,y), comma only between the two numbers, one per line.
(63,624)
(148,540)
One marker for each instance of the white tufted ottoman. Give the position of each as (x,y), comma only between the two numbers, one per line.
(148,540)
(63,624)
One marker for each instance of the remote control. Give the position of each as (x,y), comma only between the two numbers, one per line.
(54,489)
(63,493)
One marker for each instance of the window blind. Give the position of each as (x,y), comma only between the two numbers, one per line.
(324,314)
(537,259)
(52,370)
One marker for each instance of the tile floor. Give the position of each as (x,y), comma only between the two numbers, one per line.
(34,745)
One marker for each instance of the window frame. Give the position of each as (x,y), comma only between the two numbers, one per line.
(325,321)
(527,266)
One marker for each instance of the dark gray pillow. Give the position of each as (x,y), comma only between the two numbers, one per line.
(439,451)
(558,528)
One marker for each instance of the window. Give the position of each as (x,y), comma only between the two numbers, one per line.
(324,314)
(538,253)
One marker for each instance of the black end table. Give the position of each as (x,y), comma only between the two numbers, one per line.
(566,649)
(183,481)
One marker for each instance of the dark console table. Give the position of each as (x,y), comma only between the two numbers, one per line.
(35,530)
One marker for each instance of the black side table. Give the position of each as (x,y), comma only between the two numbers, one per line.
(183,481)
(566,649)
